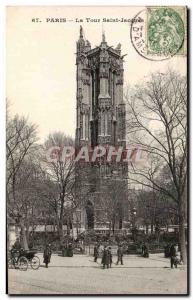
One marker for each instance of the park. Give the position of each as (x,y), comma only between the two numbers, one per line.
(81,275)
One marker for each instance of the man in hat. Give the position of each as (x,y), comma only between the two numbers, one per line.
(110,256)
(119,255)
(96,252)
(17,245)
(145,250)
(173,254)
(105,258)
(47,255)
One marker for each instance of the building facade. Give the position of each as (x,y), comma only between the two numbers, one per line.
(100,122)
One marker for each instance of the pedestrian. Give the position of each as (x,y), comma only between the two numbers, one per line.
(16,250)
(142,250)
(17,245)
(70,250)
(96,252)
(47,255)
(119,255)
(110,256)
(105,258)
(167,251)
(173,254)
(145,250)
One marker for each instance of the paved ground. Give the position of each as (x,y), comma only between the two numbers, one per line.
(80,275)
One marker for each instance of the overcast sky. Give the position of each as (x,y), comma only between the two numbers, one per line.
(41,71)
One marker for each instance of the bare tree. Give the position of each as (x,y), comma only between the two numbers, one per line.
(155,209)
(114,197)
(20,140)
(157,121)
(27,199)
(59,182)
(20,137)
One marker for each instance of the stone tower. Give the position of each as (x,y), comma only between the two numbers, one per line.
(101,121)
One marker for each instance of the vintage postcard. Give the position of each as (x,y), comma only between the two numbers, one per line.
(96,149)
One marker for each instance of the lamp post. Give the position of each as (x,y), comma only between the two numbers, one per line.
(134,212)
(68,205)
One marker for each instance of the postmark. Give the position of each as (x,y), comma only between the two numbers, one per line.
(161,34)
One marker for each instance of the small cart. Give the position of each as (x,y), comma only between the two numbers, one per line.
(22,258)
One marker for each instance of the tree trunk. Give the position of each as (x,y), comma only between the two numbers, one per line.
(182,236)
(109,228)
(113,227)
(24,242)
(60,231)
(146,228)
(68,228)
(27,234)
(182,241)
(68,225)
(151,226)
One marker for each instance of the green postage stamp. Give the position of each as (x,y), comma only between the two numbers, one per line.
(166,31)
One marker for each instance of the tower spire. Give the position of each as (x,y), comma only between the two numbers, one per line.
(103,37)
(81,32)
(103,34)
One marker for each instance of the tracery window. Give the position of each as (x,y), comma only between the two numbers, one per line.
(85,127)
(104,124)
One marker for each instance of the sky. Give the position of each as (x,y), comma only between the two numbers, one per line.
(40,60)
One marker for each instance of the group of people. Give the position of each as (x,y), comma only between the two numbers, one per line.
(106,260)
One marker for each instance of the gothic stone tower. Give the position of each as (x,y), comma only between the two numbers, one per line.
(101,121)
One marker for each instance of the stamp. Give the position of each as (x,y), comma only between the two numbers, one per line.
(161,34)
(165,31)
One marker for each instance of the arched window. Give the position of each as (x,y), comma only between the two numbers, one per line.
(83,126)
(104,123)
(110,82)
(90,214)
(113,87)
(86,127)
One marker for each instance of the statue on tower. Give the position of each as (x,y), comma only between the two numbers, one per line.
(118,47)
(81,42)
(81,31)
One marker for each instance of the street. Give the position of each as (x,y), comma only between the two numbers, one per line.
(80,275)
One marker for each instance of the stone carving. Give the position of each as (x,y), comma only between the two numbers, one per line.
(86,81)
(118,47)
(105,104)
(94,62)
(84,109)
